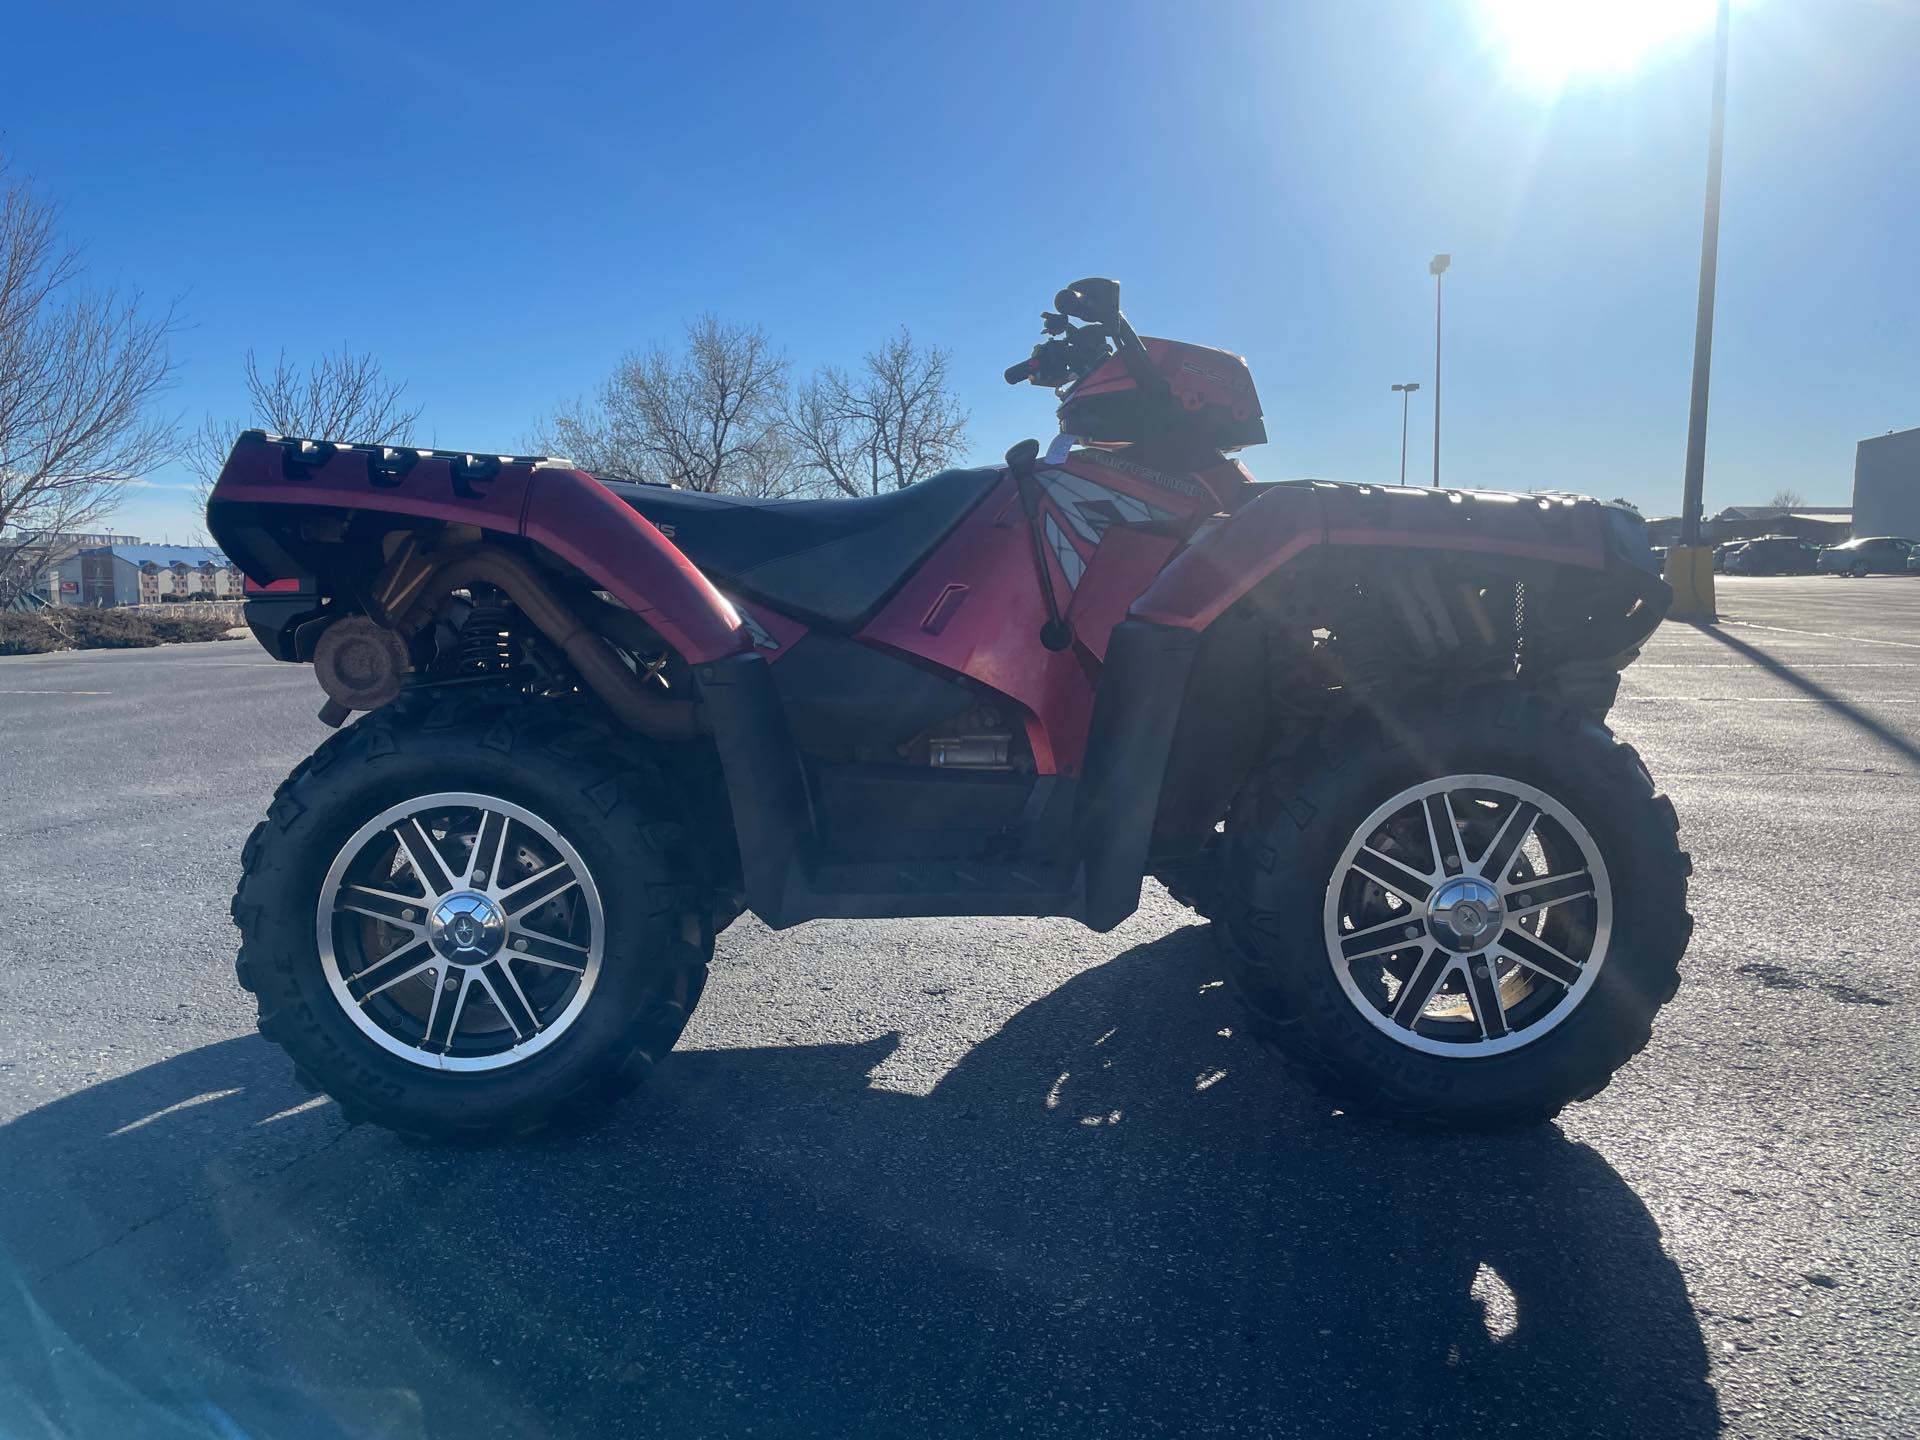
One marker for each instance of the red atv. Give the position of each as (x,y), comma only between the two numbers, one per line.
(1359,727)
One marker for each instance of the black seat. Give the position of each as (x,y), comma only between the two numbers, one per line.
(833,562)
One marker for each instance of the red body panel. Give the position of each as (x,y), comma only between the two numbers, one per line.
(975,605)
(1201,377)
(1229,559)
(588,526)
(570,513)
(257,473)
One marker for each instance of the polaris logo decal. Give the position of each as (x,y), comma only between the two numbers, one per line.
(1153,477)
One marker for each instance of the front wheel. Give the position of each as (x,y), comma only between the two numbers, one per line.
(1467,918)
(463,926)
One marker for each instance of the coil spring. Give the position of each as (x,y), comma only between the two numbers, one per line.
(487,642)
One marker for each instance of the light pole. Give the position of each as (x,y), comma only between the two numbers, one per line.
(1690,564)
(1406,398)
(1436,268)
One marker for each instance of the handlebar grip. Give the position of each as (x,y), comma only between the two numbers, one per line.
(1021,373)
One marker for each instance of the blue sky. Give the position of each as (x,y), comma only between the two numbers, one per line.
(498,201)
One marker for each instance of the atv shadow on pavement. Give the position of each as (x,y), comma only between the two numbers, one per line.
(1112,1218)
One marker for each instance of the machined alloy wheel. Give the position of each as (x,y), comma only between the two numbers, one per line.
(1468,915)
(1464,914)
(460,931)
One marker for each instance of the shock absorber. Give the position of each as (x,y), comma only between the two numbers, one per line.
(488,645)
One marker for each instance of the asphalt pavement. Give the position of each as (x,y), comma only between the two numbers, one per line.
(997,1177)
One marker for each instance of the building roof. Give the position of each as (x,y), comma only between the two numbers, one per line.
(1769,512)
(194,555)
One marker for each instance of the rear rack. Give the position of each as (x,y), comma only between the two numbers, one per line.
(394,461)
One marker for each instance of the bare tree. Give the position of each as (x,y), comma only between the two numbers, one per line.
(707,418)
(79,372)
(1787,499)
(338,397)
(892,423)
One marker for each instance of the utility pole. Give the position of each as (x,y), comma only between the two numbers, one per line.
(1405,393)
(1690,563)
(1436,268)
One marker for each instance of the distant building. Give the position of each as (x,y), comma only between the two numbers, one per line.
(41,551)
(146,575)
(1822,524)
(1886,485)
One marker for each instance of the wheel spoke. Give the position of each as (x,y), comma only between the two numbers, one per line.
(545,950)
(404,911)
(1383,939)
(443,1023)
(1513,834)
(538,888)
(497,978)
(489,843)
(424,856)
(396,965)
(1407,883)
(1539,956)
(1483,993)
(1419,987)
(1531,895)
(1443,834)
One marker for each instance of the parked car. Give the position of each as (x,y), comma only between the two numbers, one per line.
(1913,561)
(1774,555)
(1722,553)
(1871,555)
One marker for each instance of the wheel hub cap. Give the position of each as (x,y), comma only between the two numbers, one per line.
(1465,913)
(466,928)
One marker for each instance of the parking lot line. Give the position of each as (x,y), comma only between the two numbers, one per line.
(1802,665)
(1823,634)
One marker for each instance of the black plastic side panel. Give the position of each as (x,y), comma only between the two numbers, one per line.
(839,693)
(915,811)
(765,787)
(1225,720)
(1095,876)
(1141,690)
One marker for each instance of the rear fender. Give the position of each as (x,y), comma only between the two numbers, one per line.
(268,481)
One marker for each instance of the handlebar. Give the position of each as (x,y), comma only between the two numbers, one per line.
(1077,351)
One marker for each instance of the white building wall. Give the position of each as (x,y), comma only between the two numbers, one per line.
(1886,485)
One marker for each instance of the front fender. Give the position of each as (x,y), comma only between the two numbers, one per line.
(1232,556)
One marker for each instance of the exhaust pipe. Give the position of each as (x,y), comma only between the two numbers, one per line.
(599,665)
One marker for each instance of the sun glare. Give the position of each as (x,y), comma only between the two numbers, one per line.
(1551,44)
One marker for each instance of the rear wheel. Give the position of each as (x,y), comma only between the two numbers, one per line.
(1464,919)
(466,925)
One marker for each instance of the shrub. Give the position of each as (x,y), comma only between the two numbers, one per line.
(77,628)
(90,629)
(28,633)
(179,629)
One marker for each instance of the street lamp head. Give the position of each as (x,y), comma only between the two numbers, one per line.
(1439,264)
(1409,388)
